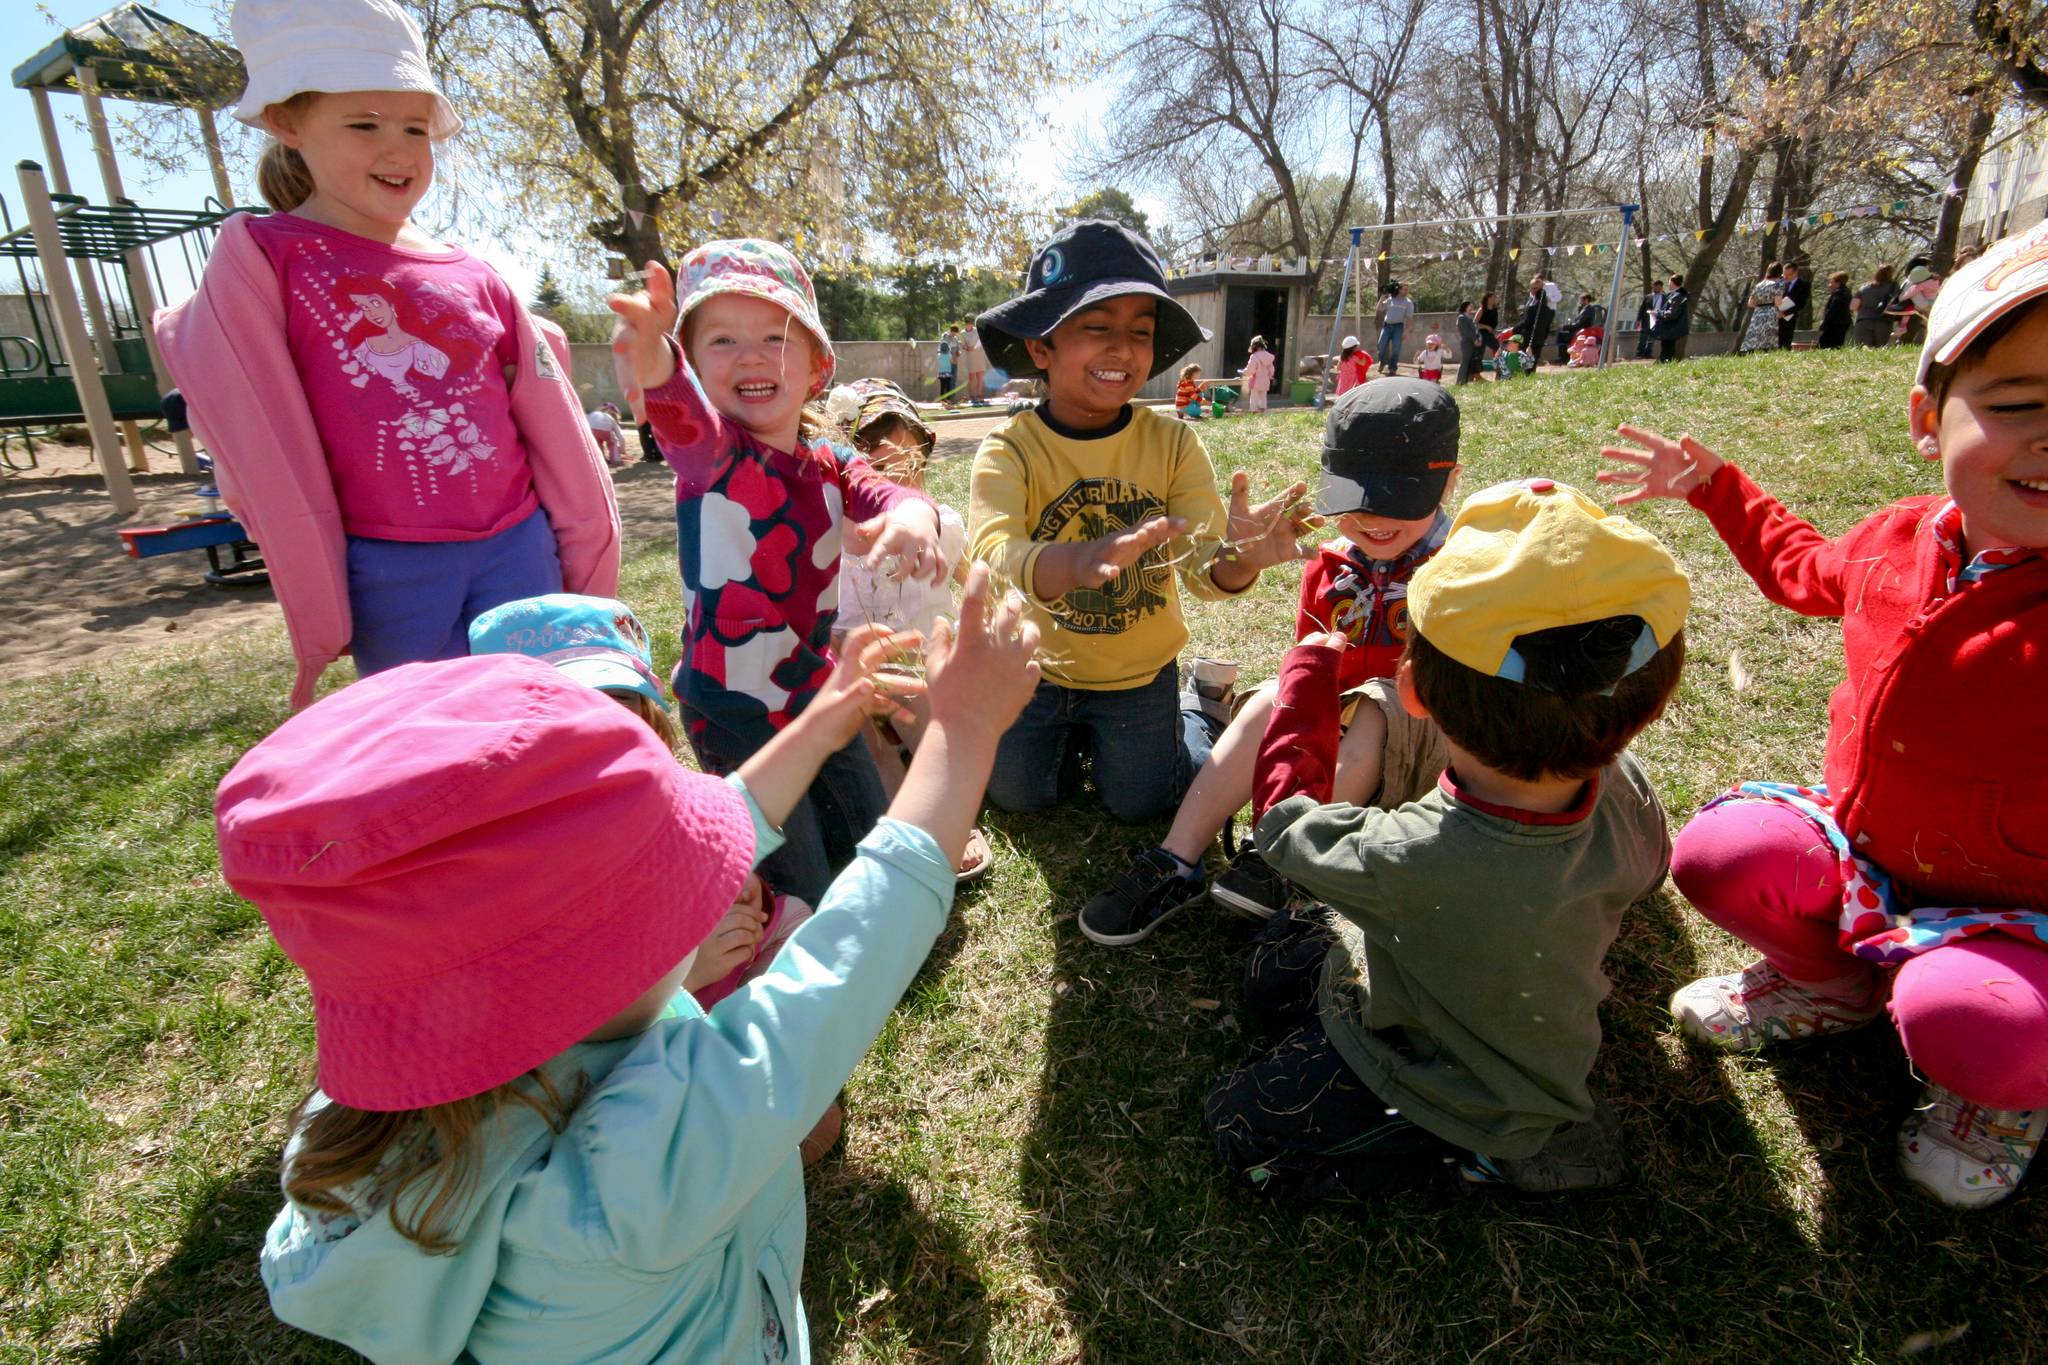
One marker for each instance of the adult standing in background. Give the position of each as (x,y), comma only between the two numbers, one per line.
(1537,315)
(1834,312)
(1798,293)
(1646,319)
(1489,324)
(1674,322)
(1873,309)
(1766,301)
(1394,315)
(1470,348)
(973,361)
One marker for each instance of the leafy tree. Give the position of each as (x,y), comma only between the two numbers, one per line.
(1111,203)
(2014,34)
(548,298)
(646,124)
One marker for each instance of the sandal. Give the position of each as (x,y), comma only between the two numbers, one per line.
(975,859)
(823,1137)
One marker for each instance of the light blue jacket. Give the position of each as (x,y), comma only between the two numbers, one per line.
(666,1223)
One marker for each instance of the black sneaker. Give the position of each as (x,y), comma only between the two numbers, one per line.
(1250,887)
(1142,896)
(1579,1156)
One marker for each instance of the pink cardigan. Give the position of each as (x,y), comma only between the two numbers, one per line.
(225,348)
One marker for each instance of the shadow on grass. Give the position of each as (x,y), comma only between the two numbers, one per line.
(206,1301)
(882,1269)
(1158,1256)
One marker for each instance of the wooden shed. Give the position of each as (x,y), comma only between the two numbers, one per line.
(1236,300)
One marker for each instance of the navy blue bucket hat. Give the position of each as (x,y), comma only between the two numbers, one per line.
(1084,264)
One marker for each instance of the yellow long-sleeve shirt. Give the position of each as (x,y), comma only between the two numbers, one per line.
(1035,486)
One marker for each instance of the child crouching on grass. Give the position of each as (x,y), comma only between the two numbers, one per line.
(1439,1022)
(527,1141)
(1093,507)
(1914,880)
(725,359)
(1390,453)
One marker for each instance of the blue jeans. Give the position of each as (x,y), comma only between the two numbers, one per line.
(413,600)
(1390,346)
(842,804)
(1146,749)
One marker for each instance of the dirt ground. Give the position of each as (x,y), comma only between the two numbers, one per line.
(75,593)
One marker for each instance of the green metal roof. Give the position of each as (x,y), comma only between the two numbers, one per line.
(138,54)
(99,233)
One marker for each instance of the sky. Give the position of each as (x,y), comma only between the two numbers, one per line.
(1040,160)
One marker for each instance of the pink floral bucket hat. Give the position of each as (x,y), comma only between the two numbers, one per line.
(763,269)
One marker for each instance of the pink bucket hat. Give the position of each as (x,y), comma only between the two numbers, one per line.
(766,270)
(476,863)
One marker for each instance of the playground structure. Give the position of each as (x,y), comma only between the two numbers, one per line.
(90,354)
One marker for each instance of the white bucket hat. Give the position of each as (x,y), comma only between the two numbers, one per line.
(332,46)
(2011,272)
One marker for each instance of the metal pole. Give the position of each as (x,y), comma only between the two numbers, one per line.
(139,292)
(1610,340)
(88,287)
(1343,290)
(210,135)
(85,377)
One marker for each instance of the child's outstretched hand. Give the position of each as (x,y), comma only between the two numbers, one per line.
(641,336)
(902,543)
(1323,639)
(876,666)
(1667,469)
(982,671)
(732,943)
(1107,556)
(1258,537)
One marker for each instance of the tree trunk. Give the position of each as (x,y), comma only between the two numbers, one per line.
(1950,223)
(1720,225)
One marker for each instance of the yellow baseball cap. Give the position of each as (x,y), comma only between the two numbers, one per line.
(1536,555)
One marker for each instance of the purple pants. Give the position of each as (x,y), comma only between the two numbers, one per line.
(1973,1015)
(413,600)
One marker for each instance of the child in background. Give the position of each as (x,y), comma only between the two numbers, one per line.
(606,431)
(1585,349)
(761,493)
(1390,453)
(527,1142)
(1429,361)
(1913,880)
(1092,507)
(1257,375)
(1187,395)
(1354,366)
(884,426)
(1512,361)
(949,367)
(1441,1019)
(386,417)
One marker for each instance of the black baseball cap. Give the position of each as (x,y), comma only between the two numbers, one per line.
(1084,264)
(1388,449)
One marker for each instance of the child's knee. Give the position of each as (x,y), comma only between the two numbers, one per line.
(1974,1018)
(1748,855)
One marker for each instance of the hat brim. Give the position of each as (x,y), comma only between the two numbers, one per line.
(1033,316)
(614,675)
(1953,346)
(1402,498)
(773,292)
(339,74)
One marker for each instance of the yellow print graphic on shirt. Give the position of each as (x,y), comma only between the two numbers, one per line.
(1088,510)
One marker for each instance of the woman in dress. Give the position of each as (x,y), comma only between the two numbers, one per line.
(1764,297)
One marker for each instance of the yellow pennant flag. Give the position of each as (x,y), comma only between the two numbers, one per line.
(1514,253)
(1700,236)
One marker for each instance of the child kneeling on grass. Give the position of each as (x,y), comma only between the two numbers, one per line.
(1390,453)
(527,1141)
(1439,1021)
(1088,505)
(1915,879)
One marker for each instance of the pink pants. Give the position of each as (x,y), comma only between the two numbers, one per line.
(1973,1015)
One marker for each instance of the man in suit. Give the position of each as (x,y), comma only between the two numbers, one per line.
(1674,321)
(1647,313)
(1537,315)
(1798,292)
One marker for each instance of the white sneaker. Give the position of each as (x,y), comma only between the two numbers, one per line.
(1210,689)
(1965,1155)
(1744,1010)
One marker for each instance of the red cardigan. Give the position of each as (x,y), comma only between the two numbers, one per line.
(1937,754)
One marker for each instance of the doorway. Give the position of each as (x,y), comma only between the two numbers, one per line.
(1250,312)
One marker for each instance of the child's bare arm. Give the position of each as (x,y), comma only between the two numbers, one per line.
(979,678)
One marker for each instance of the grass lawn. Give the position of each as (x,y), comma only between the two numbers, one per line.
(1024,1177)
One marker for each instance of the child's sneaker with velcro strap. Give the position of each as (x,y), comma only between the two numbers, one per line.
(1154,886)
(1965,1155)
(1250,887)
(1745,1010)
